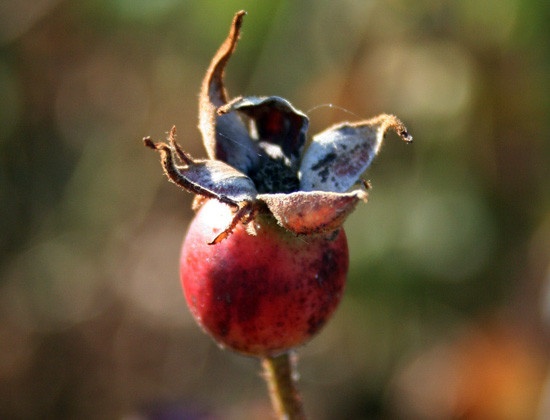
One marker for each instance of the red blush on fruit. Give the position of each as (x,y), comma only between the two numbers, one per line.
(263,290)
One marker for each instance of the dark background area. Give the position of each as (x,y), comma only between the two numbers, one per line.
(448,302)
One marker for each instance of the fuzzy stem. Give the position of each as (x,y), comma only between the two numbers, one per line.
(281,376)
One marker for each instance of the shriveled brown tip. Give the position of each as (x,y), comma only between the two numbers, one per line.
(172,133)
(405,136)
(228,107)
(366,184)
(175,146)
(223,235)
(391,121)
(159,146)
(213,88)
(148,142)
(244,214)
(237,21)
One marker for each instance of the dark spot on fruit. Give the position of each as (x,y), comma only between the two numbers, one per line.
(325,270)
(222,328)
(333,235)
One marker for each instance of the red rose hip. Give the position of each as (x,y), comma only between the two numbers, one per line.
(263,289)
(264,262)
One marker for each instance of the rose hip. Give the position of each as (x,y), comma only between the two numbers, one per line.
(264,262)
(262,290)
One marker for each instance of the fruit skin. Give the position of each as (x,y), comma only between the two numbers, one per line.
(265,293)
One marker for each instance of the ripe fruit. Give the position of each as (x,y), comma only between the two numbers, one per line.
(265,292)
(264,263)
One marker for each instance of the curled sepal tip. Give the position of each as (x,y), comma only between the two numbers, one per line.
(208,178)
(213,88)
(225,137)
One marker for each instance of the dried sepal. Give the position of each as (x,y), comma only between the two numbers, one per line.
(256,162)
(338,156)
(244,215)
(207,178)
(225,137)
(213,89)
(273,120)
(312,212)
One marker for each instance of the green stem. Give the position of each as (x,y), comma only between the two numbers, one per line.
(281,376)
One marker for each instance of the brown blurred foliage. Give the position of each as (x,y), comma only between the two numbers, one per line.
(447,309)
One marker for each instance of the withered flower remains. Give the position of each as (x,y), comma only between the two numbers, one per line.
(255,147)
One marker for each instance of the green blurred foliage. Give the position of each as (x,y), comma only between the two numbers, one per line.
(447,307)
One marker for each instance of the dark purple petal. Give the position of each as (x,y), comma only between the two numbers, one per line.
(338,156)
(275,121)
(225,137)
(219,180)
(312,212)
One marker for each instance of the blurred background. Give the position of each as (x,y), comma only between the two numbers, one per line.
(447,309)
